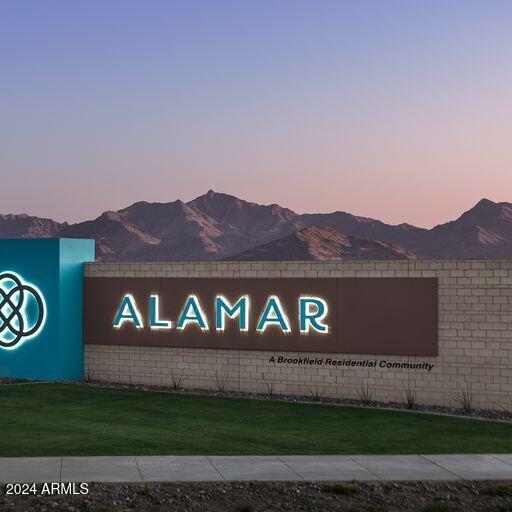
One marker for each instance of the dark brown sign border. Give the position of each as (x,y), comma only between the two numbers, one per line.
(380,316)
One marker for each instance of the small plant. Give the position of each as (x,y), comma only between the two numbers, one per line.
(177,381)
(245,508)
(270,387)
(88,378)
(439,507)
(344,489)
(221,381)
(143,491)
(388,487)
(507,409)
(464,398)
(365,394)
(498,491)
(410,398)
(315,393)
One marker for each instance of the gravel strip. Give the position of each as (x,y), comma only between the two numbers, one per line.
(275,496)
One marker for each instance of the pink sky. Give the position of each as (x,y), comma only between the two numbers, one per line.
(396,110)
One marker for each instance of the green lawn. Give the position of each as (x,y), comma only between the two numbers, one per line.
(66,419)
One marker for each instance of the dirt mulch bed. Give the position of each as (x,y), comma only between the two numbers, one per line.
(503,412)
(500,413)
(275,496)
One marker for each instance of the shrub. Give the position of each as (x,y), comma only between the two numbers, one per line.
(464,399)
(221,381)
(410,398)
(88,378)
(315,393)
(270,387)
(177,381)
(365,394)
(507,409)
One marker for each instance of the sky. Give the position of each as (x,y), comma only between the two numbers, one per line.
(397,110)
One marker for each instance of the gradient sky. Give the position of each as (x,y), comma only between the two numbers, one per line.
(399,110)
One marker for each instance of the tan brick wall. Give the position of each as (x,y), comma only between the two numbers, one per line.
(475,337)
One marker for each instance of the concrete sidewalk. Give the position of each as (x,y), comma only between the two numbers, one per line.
(227,468)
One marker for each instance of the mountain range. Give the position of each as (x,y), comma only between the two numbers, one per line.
(217,226)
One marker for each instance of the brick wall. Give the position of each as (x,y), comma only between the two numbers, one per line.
(475,337)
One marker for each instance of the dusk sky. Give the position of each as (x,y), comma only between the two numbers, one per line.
(398,110)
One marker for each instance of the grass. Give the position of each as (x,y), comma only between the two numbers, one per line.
(499,490)
(67,419)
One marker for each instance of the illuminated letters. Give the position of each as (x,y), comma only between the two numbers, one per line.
(312,314)
(128,312)
(273,314)
(312,310)
(154,319)
(241,310)
(197,317)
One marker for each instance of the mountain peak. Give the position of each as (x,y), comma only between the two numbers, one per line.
(485,210)
(484,203)
(27,226)
(217,225)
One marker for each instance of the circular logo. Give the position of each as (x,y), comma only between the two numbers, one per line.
(22,310)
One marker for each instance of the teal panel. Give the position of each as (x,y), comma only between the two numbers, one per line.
(52,268)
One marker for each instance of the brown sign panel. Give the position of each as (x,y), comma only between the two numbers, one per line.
(385,316)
